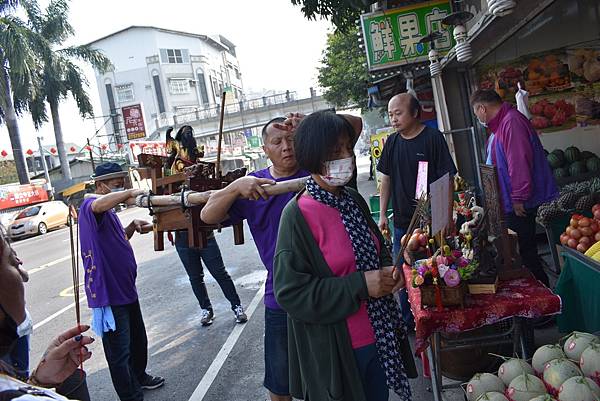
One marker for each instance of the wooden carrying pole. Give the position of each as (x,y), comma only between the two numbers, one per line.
(199,198)
(219,144)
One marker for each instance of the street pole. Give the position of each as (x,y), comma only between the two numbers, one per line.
(91,155)
(45,166)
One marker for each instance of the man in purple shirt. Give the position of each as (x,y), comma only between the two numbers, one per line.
(110,273)
(246,199)
(524,176)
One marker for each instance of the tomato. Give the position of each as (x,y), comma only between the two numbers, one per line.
(586,231)
(564,238)
(584,222)
(575,234)
(582,248)
(572,243)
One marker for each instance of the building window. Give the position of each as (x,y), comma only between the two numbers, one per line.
(125,93)
(179,86)
(175,56)
(237,73)
(158,91)
(202,87)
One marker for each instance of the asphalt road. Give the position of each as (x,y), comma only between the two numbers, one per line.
(220,362)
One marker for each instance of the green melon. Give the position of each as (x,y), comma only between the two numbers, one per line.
(561,172)
(593,164)
(586,154)
(572,154)
(577,168)
(560,155)
(554,160)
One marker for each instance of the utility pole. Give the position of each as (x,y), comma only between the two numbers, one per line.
(45,166)
(91,155)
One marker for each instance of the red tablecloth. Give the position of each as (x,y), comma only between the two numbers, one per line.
(525,297)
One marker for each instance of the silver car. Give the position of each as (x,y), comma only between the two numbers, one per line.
(38,219)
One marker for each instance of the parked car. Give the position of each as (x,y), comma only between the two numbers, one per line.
(38,219)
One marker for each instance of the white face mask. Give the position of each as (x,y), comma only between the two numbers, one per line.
(338,172)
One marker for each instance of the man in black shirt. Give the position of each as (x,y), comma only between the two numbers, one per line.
(411,143)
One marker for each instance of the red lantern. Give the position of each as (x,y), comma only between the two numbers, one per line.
(88,148)
(72,149)
(132,145)
(104,147)
(119,146)
(53,150)
(29,152)
(4,153)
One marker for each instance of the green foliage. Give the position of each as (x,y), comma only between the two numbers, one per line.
(342,13)
(343,73)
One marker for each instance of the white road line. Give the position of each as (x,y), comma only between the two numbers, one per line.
(217,364)
(47,265)
(55,315)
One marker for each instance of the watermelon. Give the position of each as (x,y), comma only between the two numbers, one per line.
(572,154)
(561,172)
(577,168)
(593,164)
(586,154)
(546,152)
(555,160)
(560,154)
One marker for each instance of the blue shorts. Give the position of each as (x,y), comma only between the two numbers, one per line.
(277,379)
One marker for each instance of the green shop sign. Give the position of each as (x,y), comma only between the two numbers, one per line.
(392,36)
(254,141)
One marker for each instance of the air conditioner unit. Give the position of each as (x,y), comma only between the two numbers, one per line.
(193,82)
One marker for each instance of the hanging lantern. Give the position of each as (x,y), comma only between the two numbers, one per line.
(72,149)
(119,146)
(29,152)
(53,150)
(132,145)
(104,146)
(88,148)
(500,8)
(4,153)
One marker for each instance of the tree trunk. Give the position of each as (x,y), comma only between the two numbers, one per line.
(10,118)
(65,169)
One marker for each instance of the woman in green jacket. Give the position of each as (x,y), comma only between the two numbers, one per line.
(333,276)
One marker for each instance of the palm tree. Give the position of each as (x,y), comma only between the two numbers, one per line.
(59,75)
(17,77)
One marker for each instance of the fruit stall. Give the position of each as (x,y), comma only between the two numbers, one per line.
(468,275)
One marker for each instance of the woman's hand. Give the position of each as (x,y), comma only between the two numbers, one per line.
(380,282)
(62,357)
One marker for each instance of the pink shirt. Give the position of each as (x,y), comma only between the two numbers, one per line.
(326,225)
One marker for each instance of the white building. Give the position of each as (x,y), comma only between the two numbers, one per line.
(169,72)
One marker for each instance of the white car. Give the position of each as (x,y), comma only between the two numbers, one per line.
(38,219)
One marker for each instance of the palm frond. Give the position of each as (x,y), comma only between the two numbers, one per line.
(7,6)
(15,39)
(33,12)
(76,83)
(37,109)
(55,26)
(93,56)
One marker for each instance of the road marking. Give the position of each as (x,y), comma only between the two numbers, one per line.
(55,315)
(68,292)
(47,265)
(217,363)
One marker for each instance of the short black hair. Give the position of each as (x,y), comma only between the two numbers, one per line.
(316,137)
(415,106)
(271,121)
(485,96)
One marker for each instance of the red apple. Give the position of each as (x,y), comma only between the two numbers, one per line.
(595,207)
(594,226)
(597,236)
(587,241)
(569,230)
(586,231)
(597,214)
(584,222)
(582,248)
(564,238)
(575,234)
(572,243)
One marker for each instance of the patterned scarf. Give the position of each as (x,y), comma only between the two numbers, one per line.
(384,312)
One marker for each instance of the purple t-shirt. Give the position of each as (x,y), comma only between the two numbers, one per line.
(263,219)
(108,260)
